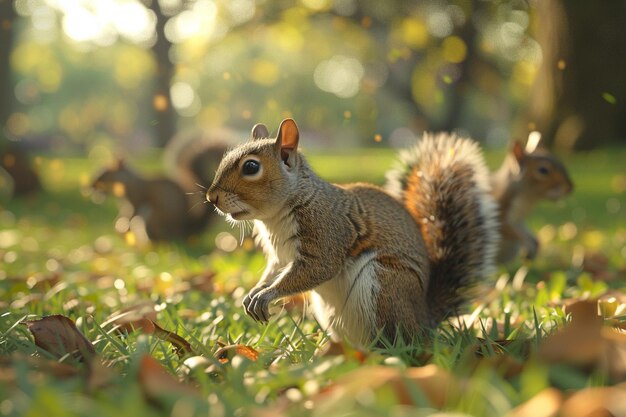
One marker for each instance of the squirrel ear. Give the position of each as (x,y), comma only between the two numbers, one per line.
(259,131)
(534,138)
(120,162)
(287,141)
(518,152)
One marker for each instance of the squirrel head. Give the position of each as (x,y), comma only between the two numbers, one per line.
(540,173)
(113,179)
(255,179)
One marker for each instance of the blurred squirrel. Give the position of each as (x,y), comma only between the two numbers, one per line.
(391,262)
(170,208)
(159,202)
(525,177)
(18,176)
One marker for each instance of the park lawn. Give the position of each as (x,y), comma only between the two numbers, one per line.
(60,256)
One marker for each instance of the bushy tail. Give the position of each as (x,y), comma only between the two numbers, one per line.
(191,158)
(444,183)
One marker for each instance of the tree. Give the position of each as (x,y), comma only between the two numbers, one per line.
(7,19)
(162,103)
(579,97)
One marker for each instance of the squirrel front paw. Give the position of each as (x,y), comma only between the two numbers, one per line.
(257,303)
(532,248)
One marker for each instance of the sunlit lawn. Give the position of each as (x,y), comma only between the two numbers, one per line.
(60,255)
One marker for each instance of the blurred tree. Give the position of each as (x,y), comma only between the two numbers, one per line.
(162,102)
(579,96)
(7,19)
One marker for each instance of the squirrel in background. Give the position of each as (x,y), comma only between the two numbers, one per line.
(383,264)
(167,208)
(525,177)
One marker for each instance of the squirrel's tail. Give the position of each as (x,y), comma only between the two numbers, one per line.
(444,183)
(191,158)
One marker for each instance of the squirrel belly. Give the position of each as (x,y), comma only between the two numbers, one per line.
(387,262)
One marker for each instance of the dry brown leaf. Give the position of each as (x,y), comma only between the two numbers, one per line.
(545,404)
(597,264)
(586,343)
(596,402)
(135,312)
(58,335)
(181,346)
(580,342)
(157,384)
(98,375)
(226,353)
(615,353)
(37,365)
(203,282)
(142,317)
(333,348)
(437,385)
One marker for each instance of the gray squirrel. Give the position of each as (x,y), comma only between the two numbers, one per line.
(526,176)
(171,206)
(380,262)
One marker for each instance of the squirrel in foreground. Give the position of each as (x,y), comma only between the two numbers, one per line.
(382,263)
(159,202)
(525,177)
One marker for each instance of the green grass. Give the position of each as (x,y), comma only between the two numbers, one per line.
(60,255)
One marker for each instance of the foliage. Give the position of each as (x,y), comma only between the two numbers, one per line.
(170,336)
(83,72)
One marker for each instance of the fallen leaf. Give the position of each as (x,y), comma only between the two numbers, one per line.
(159,385)
(135,312)
(181,346)
(36,364)
(203,282)
(597,264)
(596,402)
(545,404)
(437,386)
(142,317)
(58,335)
(587,344)
(580,342)
(333,348)
(226,353)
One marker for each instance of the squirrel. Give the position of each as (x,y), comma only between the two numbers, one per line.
(382,264)
(18,175)
(171,207)
(160,202)
(525,177)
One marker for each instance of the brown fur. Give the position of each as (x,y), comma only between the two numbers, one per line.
(522,181)
(355,246)
(160,202)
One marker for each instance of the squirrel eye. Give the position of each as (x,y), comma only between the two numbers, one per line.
(543,170)
(250,167)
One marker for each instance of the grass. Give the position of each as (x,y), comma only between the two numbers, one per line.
(60,255)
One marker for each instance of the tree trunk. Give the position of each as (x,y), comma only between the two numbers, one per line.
(162,102)
(7,20)
(579,97)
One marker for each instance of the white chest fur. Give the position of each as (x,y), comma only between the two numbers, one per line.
(278,238)
(346,304)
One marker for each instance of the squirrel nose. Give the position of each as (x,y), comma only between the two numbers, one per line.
(211,196)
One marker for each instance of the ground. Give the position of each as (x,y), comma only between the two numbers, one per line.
(165,333)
